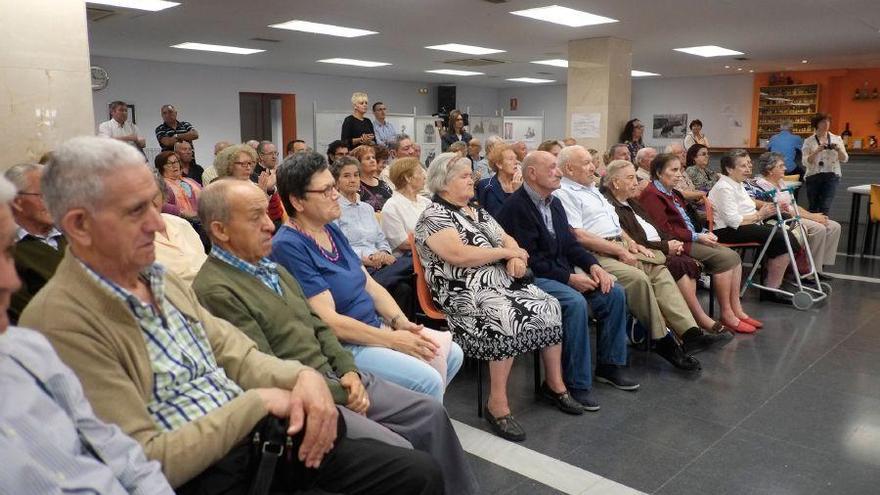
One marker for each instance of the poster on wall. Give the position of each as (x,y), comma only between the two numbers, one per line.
(529,130)
(670,125)
(427,136)
(328,128)
(403,124)
(585,125)
(482,127)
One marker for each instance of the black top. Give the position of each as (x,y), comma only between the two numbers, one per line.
(450,137)
(353,128)
(549,256)
(195,172)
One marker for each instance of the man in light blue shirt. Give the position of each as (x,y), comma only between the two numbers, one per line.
(788,144)
(383,130)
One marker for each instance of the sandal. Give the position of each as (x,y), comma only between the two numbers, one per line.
(753,322)
(505,427)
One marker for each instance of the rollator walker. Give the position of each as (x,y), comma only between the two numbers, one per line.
(802,295)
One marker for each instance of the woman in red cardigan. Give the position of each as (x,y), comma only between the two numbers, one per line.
(667,209)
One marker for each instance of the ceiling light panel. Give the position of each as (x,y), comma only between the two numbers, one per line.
(468,49)
(709,51)
(217,48)
(150,5)
(453,72)
(353,62)
(564,16)
(555,62)
(642,73)
(531,80)
(318,28)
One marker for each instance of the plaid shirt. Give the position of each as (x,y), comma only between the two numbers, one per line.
(187,383)
(265,270)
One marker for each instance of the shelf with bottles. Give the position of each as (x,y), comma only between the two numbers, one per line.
(795,102)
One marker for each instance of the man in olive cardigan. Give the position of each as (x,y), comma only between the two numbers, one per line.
(186,385)
(239,284)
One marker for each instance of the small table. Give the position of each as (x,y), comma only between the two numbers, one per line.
(857,193)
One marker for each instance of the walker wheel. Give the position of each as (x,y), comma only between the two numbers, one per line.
(802,300)
(826,288)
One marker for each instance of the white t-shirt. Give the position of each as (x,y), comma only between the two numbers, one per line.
(399,217)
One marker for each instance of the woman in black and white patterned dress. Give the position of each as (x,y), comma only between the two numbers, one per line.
(475,273)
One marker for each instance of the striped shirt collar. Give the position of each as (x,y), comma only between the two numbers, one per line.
(265,271)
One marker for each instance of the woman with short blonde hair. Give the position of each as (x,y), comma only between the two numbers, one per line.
(356,128)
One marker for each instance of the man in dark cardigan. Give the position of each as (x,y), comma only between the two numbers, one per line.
(537,221)
(39,246)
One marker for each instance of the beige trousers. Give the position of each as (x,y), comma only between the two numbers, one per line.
(823,241)
(652,295)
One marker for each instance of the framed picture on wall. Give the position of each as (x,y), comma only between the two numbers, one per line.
(670,125)
(131,116)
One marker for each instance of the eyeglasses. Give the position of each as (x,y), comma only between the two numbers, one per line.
(244,164)
(274,153)
(327,191)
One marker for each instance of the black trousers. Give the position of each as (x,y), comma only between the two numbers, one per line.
(758,233)
(397,279)
(353,467)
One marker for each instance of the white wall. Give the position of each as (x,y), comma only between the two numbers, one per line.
(207,96)
(532,100)
(720,102)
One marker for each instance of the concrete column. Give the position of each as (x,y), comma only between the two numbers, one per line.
(599,83)
(45,78)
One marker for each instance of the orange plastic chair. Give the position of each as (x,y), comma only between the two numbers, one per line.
(423,292)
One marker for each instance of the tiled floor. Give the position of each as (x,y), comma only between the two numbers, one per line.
(794,409)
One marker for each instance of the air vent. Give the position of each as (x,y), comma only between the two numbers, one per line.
(266,40)
(741,58)
(93,14)
(474,62)
(542,73)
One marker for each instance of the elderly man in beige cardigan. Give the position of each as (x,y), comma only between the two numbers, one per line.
(189,387)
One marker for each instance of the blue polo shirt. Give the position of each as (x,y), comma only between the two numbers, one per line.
(344,278)
(786,143)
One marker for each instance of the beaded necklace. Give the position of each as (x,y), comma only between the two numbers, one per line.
(332,255)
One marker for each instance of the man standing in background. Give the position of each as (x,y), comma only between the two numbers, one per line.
(384,130)
(118,127)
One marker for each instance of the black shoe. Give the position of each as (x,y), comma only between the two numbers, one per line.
(669,350)
(696,340)
(613,375)
(562,401)
(585,398)
(505,427)
(770,296)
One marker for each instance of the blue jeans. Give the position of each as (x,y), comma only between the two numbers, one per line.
(820,191)
(610,309)
(405,370)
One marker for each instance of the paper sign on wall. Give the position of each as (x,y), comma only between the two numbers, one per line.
(585,125)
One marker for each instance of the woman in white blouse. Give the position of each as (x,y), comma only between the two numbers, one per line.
(402,210)
(823,153)
(737,220)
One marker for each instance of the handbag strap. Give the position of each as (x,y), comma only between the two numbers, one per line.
(270,447)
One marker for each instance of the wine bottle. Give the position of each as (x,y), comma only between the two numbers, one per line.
(846,135)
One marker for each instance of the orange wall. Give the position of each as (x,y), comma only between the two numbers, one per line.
(836,90)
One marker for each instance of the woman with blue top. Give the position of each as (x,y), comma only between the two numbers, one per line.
(492,192)
(361,312)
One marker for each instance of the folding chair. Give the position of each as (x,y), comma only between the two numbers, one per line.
(426,303)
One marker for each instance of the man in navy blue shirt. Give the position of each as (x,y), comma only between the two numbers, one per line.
(536,219)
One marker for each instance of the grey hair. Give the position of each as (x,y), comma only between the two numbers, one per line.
(394,145)
(261,148)
(785,125)
(442,168)
(223,160)
(181,143)
(493,141)
(642,152)
(768,160)
(670,148)
(214,201)
(74,176)
(613,169)
(7,190)
(567,154)
(17,174)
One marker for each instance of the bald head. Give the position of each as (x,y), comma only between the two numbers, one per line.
(541,172)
